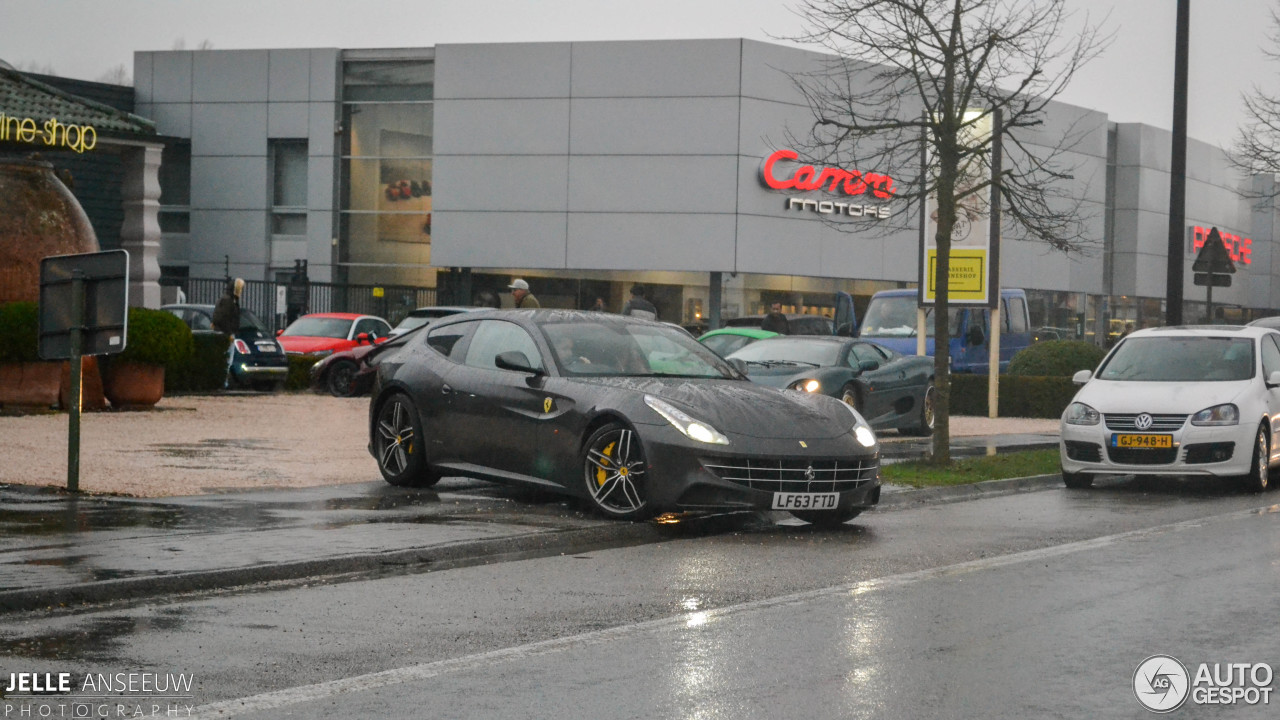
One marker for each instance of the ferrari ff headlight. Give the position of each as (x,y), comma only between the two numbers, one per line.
(1080,414)
(692,429)
(862,432)
(1227,414)
(808,385)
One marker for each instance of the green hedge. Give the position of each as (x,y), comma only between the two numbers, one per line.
(19,332)
(1020,395)
(1056,358)
(300,371)
(205,369)
(157,337)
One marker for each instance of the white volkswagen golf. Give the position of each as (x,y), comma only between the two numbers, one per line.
(1178,401)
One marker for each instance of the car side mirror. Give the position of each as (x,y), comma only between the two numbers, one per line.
(279,332)
(868,365)
(739,364)
(516,361)
(1273,380)
(362,338)
(1083,376)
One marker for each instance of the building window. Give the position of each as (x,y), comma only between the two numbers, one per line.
(387,111)
(289,187)
(175,189)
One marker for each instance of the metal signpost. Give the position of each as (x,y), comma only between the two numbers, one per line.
(1213,267)
(84,301)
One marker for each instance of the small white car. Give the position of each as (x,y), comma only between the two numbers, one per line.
(1178,401)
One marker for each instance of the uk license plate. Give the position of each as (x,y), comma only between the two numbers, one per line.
(805,501)
(1141,441)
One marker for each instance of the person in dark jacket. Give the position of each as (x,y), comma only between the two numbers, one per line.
(226,314)
(638,306)
(775,321)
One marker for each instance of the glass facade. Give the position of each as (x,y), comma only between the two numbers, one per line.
(386,171)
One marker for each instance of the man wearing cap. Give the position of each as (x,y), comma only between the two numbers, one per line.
(520,293)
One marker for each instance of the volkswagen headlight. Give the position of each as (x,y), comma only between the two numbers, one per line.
(691,428)
(1227,414)
(1080,414)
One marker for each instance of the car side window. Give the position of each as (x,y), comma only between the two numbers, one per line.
(445,339)
(1016,311)
(1270,356)
(860,353)
(494,337)
(200,321)
(372,326)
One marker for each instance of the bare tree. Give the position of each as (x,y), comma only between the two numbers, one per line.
(118,75)
(1256,150)
(913,74)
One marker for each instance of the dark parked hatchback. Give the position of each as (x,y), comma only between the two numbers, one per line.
(257,359)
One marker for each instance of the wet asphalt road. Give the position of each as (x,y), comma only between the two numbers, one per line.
(1039,604)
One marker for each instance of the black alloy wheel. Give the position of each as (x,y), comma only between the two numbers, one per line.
(1077,481)
(615,473)
(1259,476)
(928,414)
(400,446)
(827,518)
(341,378)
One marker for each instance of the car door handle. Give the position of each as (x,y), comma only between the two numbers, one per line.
(445,389)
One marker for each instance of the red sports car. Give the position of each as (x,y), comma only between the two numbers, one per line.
(325,333)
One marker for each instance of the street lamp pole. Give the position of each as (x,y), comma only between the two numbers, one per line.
(1178,169)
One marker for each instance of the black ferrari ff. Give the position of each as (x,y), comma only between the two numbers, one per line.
(632,415)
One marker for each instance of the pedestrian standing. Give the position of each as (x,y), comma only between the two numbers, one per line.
(775,321)
(226,320)
(639,306)
(523,298)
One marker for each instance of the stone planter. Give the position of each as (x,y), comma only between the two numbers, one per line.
(91,395)
(30,384)
(132,385)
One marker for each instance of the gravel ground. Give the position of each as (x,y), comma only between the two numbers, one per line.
(206,444)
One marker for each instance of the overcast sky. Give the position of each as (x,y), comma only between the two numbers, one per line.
(1131,82)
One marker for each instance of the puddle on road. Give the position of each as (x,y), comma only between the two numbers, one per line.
(95,639)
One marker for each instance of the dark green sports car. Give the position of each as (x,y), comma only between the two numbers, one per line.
(889,389)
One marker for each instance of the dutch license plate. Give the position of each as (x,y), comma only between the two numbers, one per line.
(805,501)
(1142,441)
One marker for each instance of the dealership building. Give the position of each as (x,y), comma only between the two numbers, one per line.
(588,167)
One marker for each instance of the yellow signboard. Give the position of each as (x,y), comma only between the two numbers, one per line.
(50,133)
(378,292)
(967,276)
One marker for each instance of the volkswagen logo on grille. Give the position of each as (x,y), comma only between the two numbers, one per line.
(1143,421)
(808,473)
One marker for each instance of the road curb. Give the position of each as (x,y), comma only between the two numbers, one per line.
(960,493)
(606,535)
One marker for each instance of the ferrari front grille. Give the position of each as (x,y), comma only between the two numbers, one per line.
(794,475)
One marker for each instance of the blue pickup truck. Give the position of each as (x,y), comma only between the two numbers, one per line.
(890,320)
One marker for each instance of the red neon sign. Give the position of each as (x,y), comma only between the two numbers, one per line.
(1238,248)
(834,180)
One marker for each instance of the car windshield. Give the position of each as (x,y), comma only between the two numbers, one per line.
(249,320)
(889,317)
(597,349)
(1180,359)
(724,344)
(412,322)
(319,327)
(811,352)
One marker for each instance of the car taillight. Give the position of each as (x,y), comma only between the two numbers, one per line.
(242,347)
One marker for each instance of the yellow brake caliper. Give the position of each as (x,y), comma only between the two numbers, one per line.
(601,475)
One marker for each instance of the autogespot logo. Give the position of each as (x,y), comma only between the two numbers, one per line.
(1161,683)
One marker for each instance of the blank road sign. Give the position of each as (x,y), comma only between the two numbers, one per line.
(106,302)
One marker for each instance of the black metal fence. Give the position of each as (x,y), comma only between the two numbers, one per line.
(267,300)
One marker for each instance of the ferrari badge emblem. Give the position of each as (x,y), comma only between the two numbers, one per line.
(546,405)
(802,444)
